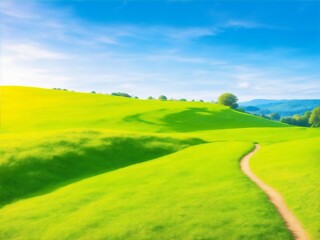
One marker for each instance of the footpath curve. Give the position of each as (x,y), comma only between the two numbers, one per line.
(291,221)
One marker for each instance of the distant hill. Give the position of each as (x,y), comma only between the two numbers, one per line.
(283,107)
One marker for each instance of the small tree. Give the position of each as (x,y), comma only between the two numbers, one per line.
(93,92)
(150,98)
(264,116)
(275,116)
(121,94)
(298,120)
(314,119)
(228,99)
(183,99)
(163,98)
(241,110)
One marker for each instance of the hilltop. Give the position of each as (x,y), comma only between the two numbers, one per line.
(35,109)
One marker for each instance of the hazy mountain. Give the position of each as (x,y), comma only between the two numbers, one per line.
(283,107)
(256,102)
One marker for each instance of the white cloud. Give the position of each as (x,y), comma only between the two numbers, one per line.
(243,85)
(31,52)
(241,24)
(52,48)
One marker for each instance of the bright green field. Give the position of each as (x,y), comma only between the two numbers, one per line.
(90,166)
(293,169)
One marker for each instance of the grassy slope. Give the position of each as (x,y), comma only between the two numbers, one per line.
(61,157)
(33,109)
(293,169)
(55,113)
(197,193)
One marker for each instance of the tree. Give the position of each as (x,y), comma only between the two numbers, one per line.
(264,116)
(228,99)
(150,98)
(93,92)
(121,94)
(298,120)
(314,119)
(183,100)
(241,110)
(163,98)
(275,116)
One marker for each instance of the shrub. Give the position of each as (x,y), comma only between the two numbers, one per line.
(228,99)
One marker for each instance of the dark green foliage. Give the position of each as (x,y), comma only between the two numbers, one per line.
(265,116)
(121,94)
(241,110)
(234,105)
(298,120)
(183,100)
(228,99)
(163,98)
(150,98)
(275,116)
(314,119)
(93,92)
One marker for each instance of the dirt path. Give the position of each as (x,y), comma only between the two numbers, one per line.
(292,223)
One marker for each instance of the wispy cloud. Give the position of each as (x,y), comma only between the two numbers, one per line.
(242,24)
(30,52)
(49,47)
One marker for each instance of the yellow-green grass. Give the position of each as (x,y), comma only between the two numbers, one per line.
(74,151)
(196,193)
(293,168)
(59,158)
(34,109)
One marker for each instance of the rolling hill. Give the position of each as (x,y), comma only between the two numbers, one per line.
(93,166)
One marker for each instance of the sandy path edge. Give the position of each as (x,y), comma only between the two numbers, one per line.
(291,221)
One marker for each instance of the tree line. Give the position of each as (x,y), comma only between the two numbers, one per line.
(309,119)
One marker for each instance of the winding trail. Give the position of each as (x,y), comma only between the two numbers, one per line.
(292,223)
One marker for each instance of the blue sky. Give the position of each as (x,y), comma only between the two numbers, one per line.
(190,49)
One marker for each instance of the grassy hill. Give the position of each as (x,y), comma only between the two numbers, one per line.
(34,109)
(292,168)
(93,166)
(172,197)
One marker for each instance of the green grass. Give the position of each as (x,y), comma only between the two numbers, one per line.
(197,193)
(62,157)
(93,166)
(293,168)
(33,109)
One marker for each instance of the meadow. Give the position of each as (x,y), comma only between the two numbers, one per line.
(95,166)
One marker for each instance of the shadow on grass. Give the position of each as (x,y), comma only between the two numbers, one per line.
(197,119)
(34,175)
